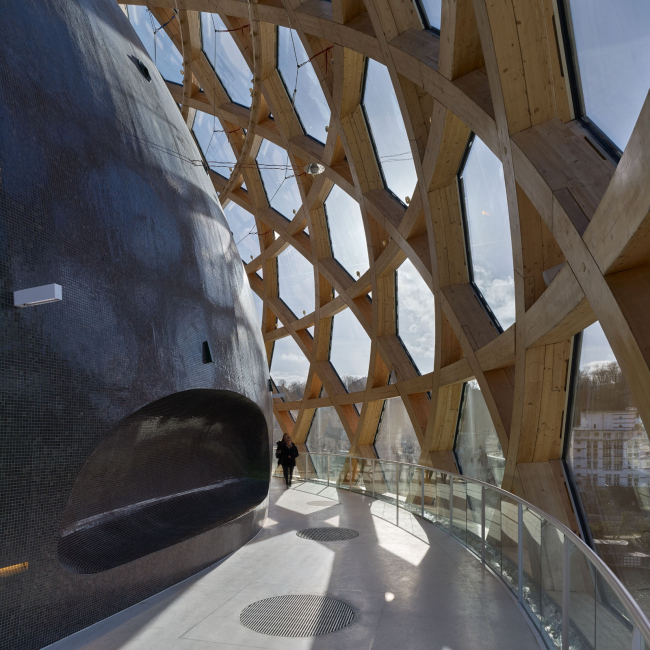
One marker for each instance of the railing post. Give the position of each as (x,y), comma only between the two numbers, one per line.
(451,505)
(483,524)
(373,478)
(422,491)
(566,592)
(397,493)
(350,473)
(328,471)
(638,643)
(520,552)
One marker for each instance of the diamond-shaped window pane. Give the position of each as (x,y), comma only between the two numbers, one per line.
(289,369)
(214,143)
(278,179)
(488,231)
(347,234)
(388,131)
(159,46)
(350,351)
(244,231)
(296,282)
(416,317)
(226,59)
(477,444)
(310,103)
(396,438)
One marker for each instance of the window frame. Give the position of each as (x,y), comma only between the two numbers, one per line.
(216,74)
(466,237)
(575,85)
(425,18)
(284,85)
(364,80)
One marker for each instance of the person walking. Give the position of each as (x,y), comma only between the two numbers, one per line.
(286,453)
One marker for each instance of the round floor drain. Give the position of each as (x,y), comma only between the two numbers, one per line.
(297,615)
(323,503)
(327,534)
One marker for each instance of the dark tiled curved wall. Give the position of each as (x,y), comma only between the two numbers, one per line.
(100,192)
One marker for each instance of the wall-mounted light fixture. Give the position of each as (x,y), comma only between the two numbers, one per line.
(38,295)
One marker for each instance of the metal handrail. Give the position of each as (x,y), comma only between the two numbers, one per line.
(641,629)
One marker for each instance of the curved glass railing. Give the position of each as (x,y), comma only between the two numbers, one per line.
(571,596)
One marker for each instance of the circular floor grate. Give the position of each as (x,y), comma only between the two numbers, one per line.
(297,615)
(323,503)
(327,534)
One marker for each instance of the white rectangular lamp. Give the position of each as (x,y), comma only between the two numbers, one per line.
(38,295)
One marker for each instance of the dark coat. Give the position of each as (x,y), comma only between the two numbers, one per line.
(286,455)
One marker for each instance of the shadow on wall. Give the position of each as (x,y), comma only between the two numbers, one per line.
(174,469)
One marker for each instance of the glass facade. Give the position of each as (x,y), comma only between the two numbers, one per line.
(214,144)
(326,434)
(611,43)
(244,231)
(608,456)
(289,369)
(226,59)
(388,131)
(487,231)
(477,445)
(159,46)
(350,351)
(259,306)
(309,100)
(278,179)
(431,11)
(347,235)
(296,282)
(396,438)
(416,317)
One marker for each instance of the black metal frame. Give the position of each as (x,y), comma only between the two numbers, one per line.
(466,237)
(460,415)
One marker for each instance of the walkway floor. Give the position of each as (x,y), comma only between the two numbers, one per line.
(410,587)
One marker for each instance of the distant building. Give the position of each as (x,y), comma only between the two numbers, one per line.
(611,448)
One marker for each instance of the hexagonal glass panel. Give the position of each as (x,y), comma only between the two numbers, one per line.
(611,43)
(416,317)
(214,144)
(487,231)
(278,179)
(430,11)
(477,445)
(302,84)
(244,231)
(296,282)
(350,351)
(347,234)
(396,438)
(609,461)
(289,368)
(326,435)
(388,132)
(227,61)
(159,46)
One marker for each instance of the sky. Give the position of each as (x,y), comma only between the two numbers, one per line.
(311,105)
(226,59)
(280,184)
(489,231)
(612,41)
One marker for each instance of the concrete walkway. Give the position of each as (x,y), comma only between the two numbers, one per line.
(410,587)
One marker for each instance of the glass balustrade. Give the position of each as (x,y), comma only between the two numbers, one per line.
(573,599)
